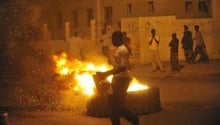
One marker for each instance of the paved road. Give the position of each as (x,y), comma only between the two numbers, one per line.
(189,97)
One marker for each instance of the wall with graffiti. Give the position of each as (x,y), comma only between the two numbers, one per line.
(138,29)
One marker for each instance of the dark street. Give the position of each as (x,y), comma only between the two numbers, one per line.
(189,97)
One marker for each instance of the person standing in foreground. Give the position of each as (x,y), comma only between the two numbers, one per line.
(187,44)
(154,41)
(200,47)
(174,44)
(120,83)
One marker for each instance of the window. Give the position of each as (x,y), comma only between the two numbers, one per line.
(90,15)
(75,18)
(150,6)
(203,7)
(129,9)
(108,15)
(188,6)
(59,19)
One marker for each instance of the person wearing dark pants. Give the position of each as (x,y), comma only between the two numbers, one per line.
(174,44)
(116,102)
(118,88)
(187,44)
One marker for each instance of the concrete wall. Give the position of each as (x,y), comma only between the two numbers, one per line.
(216,22)
(80,48)
(139,31)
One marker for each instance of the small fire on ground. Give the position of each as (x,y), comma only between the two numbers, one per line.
(81,74)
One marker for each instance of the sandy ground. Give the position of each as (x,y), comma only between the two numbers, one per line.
(189,97)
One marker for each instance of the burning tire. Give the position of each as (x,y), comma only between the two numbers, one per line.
(139,102)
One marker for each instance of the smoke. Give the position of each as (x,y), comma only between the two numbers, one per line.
(23,63)
(26,64)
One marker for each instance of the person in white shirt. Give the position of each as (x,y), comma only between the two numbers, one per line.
(200,47)
(154,41)
(120,83)
(106,42)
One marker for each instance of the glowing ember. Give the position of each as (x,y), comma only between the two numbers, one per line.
(85,82)
(82,73)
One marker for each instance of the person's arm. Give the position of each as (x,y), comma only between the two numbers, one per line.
(183,38)
(151,40)
(170,43)
(157,40)
(103,75)
(202,40)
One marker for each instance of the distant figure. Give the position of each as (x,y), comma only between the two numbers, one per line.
(154,41)
(76,47)
(174,44)
(187,44)
(200,47)
(106,42)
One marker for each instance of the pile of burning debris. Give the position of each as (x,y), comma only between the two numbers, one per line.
(77,76)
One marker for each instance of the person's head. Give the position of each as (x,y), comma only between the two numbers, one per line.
(153,31)
(186,27)
(117,38)
(173,35)
(196,27)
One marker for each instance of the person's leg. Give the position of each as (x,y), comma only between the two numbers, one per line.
(113,111)
(186,54)
(117,99)
(131,117)
(204,55)
(195,53)
(120,92)
(153,58)
(176,62)
(171,61)
(191,54)
(157,58)
(115,119)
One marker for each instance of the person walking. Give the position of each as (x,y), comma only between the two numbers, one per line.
(106,42)
(200,47)
(120,82)
(187,44)
(174,44)
(154,41)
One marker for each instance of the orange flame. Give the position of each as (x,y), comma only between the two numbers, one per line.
(82,73)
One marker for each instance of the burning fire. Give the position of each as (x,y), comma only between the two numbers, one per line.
(82,74)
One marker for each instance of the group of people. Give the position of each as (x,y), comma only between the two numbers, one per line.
(188,43)
(200,47)
(121,78)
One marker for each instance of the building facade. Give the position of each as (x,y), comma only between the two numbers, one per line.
(79,13)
